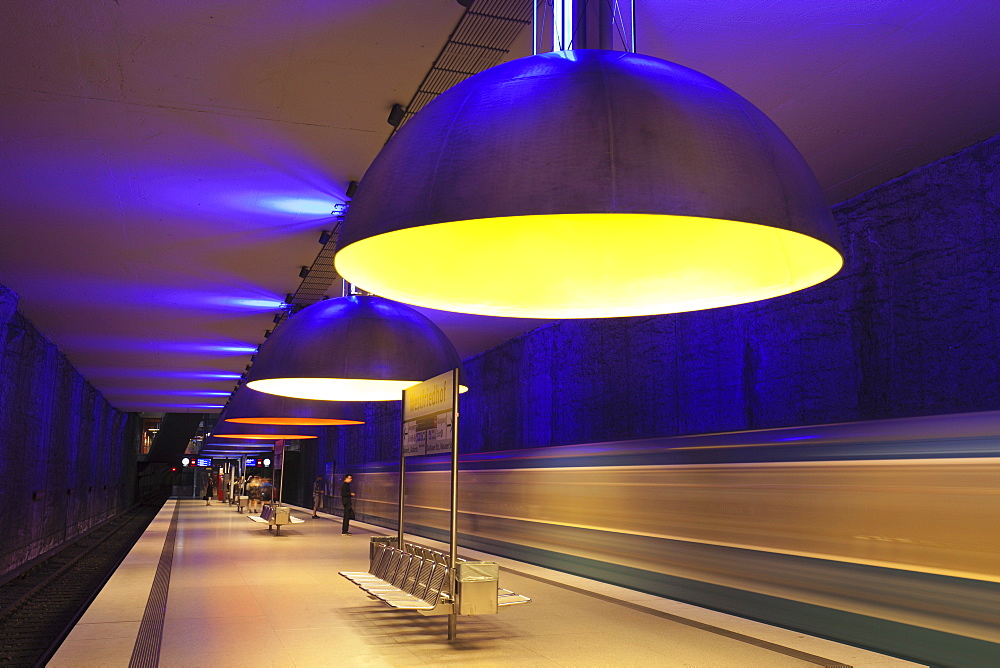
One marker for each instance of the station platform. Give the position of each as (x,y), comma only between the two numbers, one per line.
(205,586)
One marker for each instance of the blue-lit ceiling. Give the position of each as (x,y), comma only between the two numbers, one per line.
(167,168)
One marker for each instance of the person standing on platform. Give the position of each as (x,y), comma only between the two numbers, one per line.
(253,491)
(319,487)
(347,497)
(209,489)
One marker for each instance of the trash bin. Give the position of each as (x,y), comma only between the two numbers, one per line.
(282,515)
(477,584)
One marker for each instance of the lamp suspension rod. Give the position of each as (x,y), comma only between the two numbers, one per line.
(566,17)
(348,289)
(587,24)
(534,27)
(631,17)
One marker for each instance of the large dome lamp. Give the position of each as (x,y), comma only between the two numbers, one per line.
(588,183)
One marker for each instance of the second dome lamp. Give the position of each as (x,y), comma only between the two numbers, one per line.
(588,183)
(353,348)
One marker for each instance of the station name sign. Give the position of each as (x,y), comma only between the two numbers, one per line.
(429,416)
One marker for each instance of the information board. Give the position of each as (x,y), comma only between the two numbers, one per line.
(429,416)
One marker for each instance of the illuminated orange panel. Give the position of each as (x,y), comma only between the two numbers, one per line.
(262,437)
(305,422)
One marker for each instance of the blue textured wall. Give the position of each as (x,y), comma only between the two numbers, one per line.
(910,326)
(67,457)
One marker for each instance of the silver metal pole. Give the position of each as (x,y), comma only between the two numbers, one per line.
(402,474)
(534,27)
(281,482)
(632,31)
(453,555)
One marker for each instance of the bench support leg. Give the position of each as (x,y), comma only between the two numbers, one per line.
(452,626)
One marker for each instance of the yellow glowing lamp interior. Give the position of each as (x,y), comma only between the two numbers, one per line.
(586,265)
(262,437)
(302,422)
(336,389)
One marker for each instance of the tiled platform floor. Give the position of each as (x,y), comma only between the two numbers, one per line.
(240,595)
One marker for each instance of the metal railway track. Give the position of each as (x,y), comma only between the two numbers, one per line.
(39,608)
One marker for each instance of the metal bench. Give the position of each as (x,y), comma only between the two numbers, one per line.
(419,578)
(274,516)
(404,581)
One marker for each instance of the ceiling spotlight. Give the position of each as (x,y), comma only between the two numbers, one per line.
(396,115)
(324,237)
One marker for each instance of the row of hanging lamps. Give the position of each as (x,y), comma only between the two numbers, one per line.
(587,183)
(249,406)
(352,348)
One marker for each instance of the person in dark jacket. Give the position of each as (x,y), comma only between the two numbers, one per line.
(347,498)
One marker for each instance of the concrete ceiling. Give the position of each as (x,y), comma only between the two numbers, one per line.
(167,167)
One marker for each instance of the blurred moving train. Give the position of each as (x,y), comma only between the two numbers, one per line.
(884,534)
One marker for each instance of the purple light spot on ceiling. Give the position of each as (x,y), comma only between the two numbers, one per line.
(299,205)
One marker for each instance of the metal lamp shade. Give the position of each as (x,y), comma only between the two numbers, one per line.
(249,406)
(356,348)
(255,432)
(588,183)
